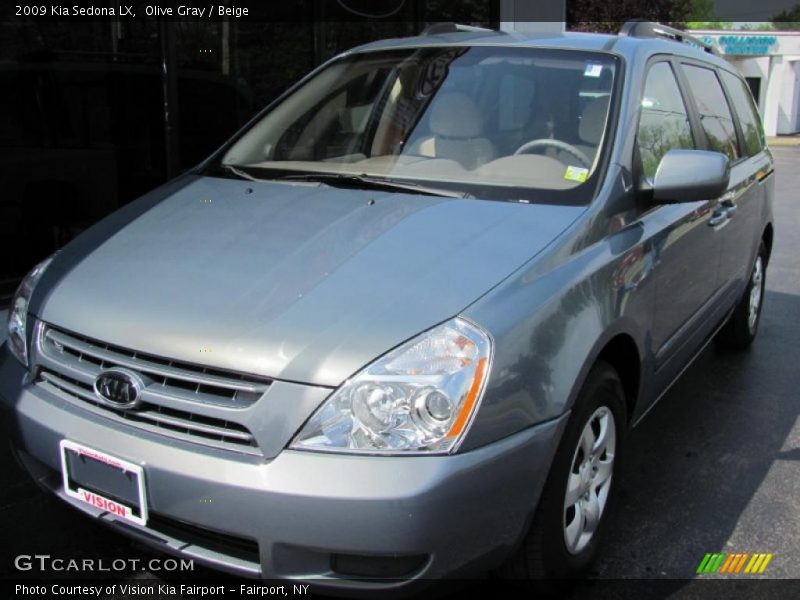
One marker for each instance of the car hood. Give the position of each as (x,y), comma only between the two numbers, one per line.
(296,282)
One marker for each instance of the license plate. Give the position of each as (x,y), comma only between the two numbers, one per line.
(106,482)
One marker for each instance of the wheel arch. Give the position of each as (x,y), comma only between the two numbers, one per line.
(619,348)
(622,354)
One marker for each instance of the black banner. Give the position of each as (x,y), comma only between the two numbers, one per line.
(307,11)
(595,589)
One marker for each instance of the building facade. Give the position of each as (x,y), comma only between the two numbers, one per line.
(770,62)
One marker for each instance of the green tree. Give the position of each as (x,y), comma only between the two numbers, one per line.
(709,25)
(788,19)
(701,15)
(701,10)
(758,27)
(608,16)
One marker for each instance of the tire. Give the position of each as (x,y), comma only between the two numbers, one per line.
(742,326)
(544,552)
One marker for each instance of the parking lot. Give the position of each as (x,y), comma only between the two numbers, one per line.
(715,467)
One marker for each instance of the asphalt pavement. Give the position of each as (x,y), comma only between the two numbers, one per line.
(714,468)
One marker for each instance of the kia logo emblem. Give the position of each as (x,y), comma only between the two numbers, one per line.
(119,388)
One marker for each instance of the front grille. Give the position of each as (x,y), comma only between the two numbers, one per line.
(180,400)
(161,417)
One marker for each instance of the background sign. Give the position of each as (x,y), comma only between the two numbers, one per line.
(746,45)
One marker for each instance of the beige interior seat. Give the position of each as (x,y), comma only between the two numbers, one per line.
(593,121)
(456,125)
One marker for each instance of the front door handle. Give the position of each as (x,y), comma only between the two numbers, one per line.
(719,217)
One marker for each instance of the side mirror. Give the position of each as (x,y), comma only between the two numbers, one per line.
(690,175)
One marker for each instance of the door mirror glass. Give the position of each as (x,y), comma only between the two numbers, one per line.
(690,175)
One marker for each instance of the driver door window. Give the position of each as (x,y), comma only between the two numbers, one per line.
(663,122)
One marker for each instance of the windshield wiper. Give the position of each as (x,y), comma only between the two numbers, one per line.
(374,183)
(354,181)
(240,173)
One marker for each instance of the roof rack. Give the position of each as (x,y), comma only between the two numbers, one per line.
(639,28)
(438,28)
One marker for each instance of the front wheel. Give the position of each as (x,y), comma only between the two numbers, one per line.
(742,326)
(568,522)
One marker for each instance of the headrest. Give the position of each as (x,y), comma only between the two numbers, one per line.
(455,115)
(593,120)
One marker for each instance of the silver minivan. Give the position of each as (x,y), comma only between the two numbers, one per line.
(398,327)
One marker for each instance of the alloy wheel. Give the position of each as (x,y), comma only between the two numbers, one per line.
(756,293)
(589,479)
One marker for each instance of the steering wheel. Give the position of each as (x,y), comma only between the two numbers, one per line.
(559,145)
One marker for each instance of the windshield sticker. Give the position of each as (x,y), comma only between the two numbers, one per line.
(593,70)
(576,174)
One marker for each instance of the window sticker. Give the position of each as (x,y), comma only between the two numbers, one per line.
(576,174)
(593,70)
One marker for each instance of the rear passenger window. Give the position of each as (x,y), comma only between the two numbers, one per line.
(715,115)
(663,123)
(746,111)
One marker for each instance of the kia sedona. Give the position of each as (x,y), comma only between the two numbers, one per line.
(398,327)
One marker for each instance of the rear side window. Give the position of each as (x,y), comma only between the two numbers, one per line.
(746,111)
(715,115)
(663,123)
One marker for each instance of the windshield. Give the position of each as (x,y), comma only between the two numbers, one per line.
(504,121)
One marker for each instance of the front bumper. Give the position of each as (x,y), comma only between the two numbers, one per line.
(292,516)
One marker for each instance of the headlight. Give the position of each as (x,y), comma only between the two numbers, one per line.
(419,398)
(18,313)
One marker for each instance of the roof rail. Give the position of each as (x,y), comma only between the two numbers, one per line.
(437,28)
(640,28)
